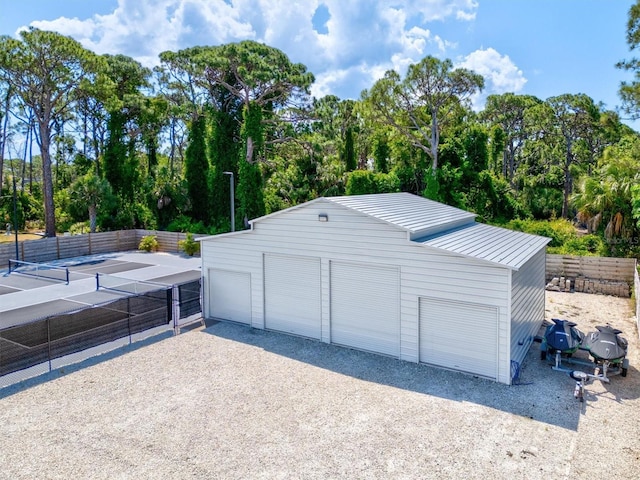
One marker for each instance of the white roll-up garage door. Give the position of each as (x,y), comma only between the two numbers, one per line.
(230,295)
(292,294)
(459,335)
(365,307)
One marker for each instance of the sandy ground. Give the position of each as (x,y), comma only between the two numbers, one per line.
(233,402)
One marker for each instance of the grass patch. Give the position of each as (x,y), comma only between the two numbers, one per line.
(21,236)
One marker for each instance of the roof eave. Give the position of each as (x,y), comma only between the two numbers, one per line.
(226,234)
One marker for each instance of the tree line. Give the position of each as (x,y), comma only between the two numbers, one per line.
(119,145)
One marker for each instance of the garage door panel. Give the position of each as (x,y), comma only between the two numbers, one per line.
(370,343)
(365,307)
(293,294)
(230,295)
(459,335)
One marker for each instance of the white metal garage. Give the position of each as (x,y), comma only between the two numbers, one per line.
(395,274)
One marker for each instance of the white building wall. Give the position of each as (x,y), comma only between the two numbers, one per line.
(230,252)
(527,304)
(448,277)
(352,236)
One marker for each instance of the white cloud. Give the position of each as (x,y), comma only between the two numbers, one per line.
(327,81)
(363,38)
(431,10)
(500,73)
(144,28)
(73,27)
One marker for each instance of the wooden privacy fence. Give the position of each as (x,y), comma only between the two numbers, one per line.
(597,268)
(608,275)
(590,274)
(67,246)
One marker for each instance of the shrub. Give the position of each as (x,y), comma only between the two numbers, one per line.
(148,243)
(360,182)
(564,239)
(189,245)
(184,223)
(583,246)
(79,228)
(560,231)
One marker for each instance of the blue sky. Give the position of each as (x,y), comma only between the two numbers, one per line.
(538,47)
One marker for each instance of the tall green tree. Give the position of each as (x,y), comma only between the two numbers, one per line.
(153,117)
(224,151)
(92,118)
(381,151)
(508,112)
(268,86)
(5,98)
(256,74)
(125,103)
(334,120)
(250,182)
(225,145)
(196,170)
(116,154)
(420,104)
(349,152)
(44,69)
(346,110)
(182,83)
(181,76)
(574,123)
(630,91)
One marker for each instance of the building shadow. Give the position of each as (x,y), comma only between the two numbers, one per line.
(540,393)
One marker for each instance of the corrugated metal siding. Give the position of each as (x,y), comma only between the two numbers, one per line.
(325,272)
(350,236)
(485,242)
(527,305)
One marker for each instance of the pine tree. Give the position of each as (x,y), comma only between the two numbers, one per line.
(224,152)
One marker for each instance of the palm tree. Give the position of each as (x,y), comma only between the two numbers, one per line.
(91,190)
(606,197)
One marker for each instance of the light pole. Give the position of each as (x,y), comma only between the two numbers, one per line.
(15,215)
(233,202)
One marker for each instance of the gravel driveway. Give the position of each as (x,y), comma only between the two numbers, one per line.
(231,402)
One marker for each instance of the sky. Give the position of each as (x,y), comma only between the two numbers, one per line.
(536,47)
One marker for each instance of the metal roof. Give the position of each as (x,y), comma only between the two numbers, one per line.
(485,242)
(417,215)
(440,226)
